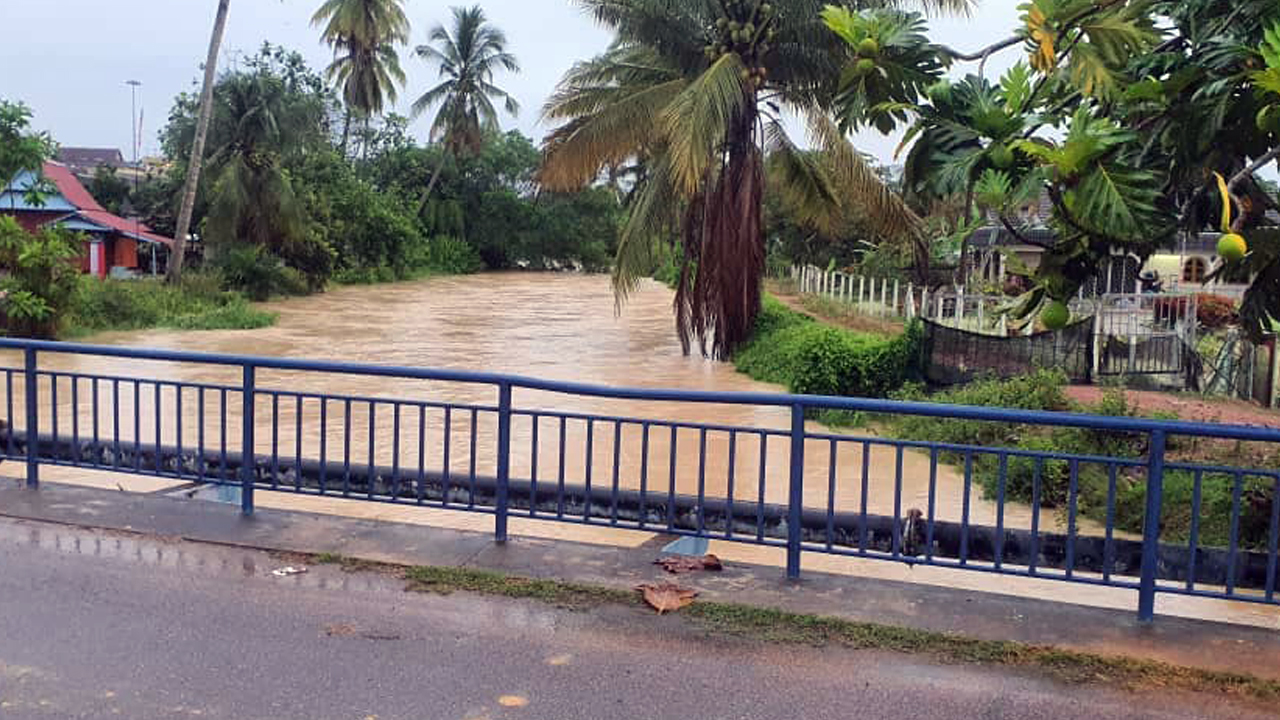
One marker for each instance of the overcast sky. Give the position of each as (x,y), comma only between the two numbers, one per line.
(69,59)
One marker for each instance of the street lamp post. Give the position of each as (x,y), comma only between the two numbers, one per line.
(134,139)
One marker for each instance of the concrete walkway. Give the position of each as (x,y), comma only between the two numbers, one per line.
(1195,643)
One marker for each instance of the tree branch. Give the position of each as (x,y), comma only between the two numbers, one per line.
(1254,167)
(984,53)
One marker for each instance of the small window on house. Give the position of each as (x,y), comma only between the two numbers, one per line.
(1194,270)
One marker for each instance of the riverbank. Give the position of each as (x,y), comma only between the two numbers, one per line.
(197,303)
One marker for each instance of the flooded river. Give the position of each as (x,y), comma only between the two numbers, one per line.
(554,326)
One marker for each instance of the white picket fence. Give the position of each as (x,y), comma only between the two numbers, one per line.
(893,298)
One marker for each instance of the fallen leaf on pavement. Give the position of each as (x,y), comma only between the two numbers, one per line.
(667,596)
(677,564)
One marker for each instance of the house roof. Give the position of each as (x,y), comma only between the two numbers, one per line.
(85,157)
(76,201)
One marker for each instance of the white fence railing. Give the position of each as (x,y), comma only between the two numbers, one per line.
(893,298)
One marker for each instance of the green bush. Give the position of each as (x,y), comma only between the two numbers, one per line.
(1043,390)
(198,303)
(816,359)
(451,256)
(42,272)
(257,273)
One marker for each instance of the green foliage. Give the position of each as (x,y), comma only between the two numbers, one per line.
(817,359)
(468,54)
(43,269)
(1043,390)
(198,303)
(1120,115)
(252,270)
(21,149)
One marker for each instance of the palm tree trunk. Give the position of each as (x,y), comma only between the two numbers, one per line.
(346,131)
(431,184)
(722,304)
(196,162)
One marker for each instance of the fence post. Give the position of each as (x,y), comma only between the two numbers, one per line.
(795,495)
(895,299)
(248,464)
(862,284)
(911,300)
(504,464)
(33,419)
(884,296)
(924,302)
(1151,528)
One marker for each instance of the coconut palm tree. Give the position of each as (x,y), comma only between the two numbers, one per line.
(468,55)
(252,199)
(698,88)
(194,165)
(364,35)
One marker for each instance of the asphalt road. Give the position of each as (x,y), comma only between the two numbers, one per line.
(102,625)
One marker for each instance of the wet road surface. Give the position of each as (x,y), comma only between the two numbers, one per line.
(100,625)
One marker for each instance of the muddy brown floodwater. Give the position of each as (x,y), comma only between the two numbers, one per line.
(553,326)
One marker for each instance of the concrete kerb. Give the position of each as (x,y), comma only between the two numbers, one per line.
(1191,643)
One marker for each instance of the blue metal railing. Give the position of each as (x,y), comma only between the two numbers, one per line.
(812,491)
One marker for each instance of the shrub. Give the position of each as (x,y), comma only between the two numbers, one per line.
(255,272)
(42,277)
(198,303)
(451,256)
(815,359)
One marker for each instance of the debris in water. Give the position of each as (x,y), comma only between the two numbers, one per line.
(666,596)
(676,564)
(288,570)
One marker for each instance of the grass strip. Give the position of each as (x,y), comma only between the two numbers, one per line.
(778,626)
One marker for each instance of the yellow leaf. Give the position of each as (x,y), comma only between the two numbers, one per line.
(1226,202)
(1045,55)
(667,596)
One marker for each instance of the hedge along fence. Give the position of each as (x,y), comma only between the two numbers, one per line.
(813,358)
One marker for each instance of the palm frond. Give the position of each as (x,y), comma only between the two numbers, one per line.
(696,122)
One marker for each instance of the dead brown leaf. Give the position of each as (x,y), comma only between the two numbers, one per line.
(677,564)
(666,596)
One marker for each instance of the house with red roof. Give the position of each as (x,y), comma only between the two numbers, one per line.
(111,243)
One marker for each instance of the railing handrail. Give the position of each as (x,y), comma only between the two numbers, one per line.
(868,405)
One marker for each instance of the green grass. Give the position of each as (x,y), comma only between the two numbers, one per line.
(197,303)
(771,625)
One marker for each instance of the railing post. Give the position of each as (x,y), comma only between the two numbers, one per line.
(504,463)
(795,495)
(248,459)
(33,419)
(1151,528)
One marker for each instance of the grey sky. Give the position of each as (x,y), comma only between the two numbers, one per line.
(69,59)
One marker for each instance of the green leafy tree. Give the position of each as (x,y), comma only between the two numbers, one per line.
(260,122)
(42,275)
(20,149)
(1122,114)
(468,56)
(694,91)
(108,188)
(364,35)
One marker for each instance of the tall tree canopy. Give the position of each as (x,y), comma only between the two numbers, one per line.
(366,66)
(695,90)
(468,55)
